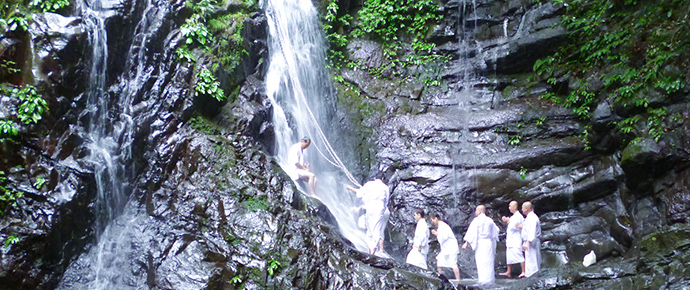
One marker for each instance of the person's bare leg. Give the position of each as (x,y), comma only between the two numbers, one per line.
(381,244)
(523,269)
(507,272)
(456,270)
(312,184)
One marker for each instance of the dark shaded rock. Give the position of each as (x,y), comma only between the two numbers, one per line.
(254,30)
(536,38)
(677,198)
(647,217)
(52,34)
(366,51)
(639,161)
(600,242)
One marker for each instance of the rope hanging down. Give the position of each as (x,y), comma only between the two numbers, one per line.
(300,93)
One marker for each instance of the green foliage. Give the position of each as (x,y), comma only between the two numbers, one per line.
(19,22)
(389,22)
(236,280)
(389,19)
(640,47)
(8,128)
(229,48)
(30,110)
(584,138)
(32,105)
(540,121)
(203,125)
(8,197)
(255,204)
(202,7)
(272,266)
(195,31)
(184,54)
(40,181)
(11,240)
(8,65)
(523,173)
(207,84)
(218,33)
(515,140)
(48,5)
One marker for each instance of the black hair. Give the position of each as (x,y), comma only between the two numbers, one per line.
(420,212)
(435,215)
(306,139)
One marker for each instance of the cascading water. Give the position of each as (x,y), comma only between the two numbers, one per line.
(298,84)
(106,155)
(108,264)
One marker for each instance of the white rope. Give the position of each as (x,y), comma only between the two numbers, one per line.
(298,88)
(324,156)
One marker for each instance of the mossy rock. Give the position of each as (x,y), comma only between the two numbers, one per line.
(663,243)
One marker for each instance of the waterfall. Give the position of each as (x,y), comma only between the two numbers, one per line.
(102,132)
(110,133)
(298,85)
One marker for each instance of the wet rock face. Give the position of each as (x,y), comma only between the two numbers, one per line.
(52,222)
(211,210)
(484,138)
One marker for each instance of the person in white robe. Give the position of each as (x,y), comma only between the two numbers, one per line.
(420,243)
(386,217)
(373,195)
(531,232)
(482,236)
(514,253)
(448,256)
(299,167)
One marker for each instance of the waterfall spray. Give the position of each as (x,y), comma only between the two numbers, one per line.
(297,85)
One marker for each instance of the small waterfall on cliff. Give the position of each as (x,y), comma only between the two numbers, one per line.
(107,155)
(298,86)
(109,139)
(110,131)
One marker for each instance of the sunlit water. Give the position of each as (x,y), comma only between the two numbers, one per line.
(109,264)
(296,82)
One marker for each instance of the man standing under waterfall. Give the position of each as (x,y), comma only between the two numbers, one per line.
(531,231)
(420,243)
(514,254)
(299,166)
(374,195)
(448,257)
(482,235)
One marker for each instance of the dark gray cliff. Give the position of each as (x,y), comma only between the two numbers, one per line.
(213,210)
(220,214)
(484,137)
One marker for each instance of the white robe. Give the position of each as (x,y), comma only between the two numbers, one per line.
(295,155)
(374,195)
(514,253)
(448,257)
(482,235)
(421,239)
(531,231)
(386,213)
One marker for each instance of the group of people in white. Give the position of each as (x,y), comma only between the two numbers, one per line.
(522,233)
(522,243)
(522,237)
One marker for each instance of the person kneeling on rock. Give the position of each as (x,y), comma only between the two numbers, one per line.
(299,167)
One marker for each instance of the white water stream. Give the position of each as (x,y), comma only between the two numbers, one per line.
(298,86)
